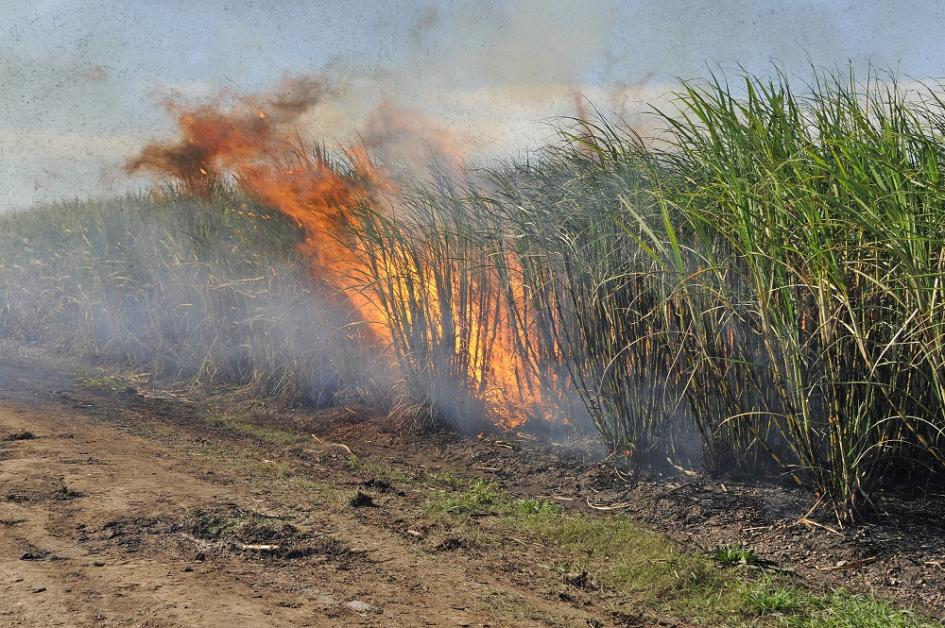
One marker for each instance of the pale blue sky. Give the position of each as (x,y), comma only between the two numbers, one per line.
(81,82)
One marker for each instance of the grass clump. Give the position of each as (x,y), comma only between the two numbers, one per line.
(765,278)
(734,556)
(538,508)
(787,605)
(767,599)
(624,557)
(805,235)
(478,498)
(380,470)
(652,572)
(108,383)
(237,425)
(844,610)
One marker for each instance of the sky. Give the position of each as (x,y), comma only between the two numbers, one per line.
(82,83)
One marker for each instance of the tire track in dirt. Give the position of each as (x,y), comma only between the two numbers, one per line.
(64,492)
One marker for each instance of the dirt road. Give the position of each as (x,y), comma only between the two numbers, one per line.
(122,504)
(105,523)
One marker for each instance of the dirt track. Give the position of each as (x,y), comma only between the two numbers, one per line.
(113,476)
(94,532)
(133,506)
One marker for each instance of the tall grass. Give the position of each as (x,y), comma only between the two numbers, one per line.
(761,288)
(768,277)
(820,220)
(592,289)
(432,275)
(190,291)
(453,302)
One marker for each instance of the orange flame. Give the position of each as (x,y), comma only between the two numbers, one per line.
(248,143)
(316,197)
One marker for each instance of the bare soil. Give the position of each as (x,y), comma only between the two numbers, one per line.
(124,506)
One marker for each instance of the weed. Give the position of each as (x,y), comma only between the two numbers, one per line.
(735,556)
(243,426)
(480,498)
(534,508)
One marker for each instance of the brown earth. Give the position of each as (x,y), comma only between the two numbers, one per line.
(113,512)
(94,532)
(118,507)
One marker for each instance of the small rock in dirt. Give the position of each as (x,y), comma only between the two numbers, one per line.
(187,569)
(415,534)
(11,522)
(34,553)
(39,589)
(362,500)
(26,435)
(200,557)
(360,607)
(98,563)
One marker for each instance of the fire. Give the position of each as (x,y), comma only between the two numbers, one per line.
(317,197)
(213,140)
(248,143)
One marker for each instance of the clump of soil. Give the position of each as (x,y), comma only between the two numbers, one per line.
(382,486)
(34,553)
(449,544)
(362,500)
(64,493)
(25,435)
(253,534)
(229,531)
(61,494)
(577,579)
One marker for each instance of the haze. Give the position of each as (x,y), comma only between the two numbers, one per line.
(81,84)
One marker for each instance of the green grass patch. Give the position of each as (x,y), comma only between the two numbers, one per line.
(652,572)
(447,479)
(735,556)
(242,426)
(479,498)
(789,605)
(380,470)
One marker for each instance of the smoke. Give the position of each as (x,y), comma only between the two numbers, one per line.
(184,293)
(501,71)
(404,139)
(514,43)
(349,249)
(262,143)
